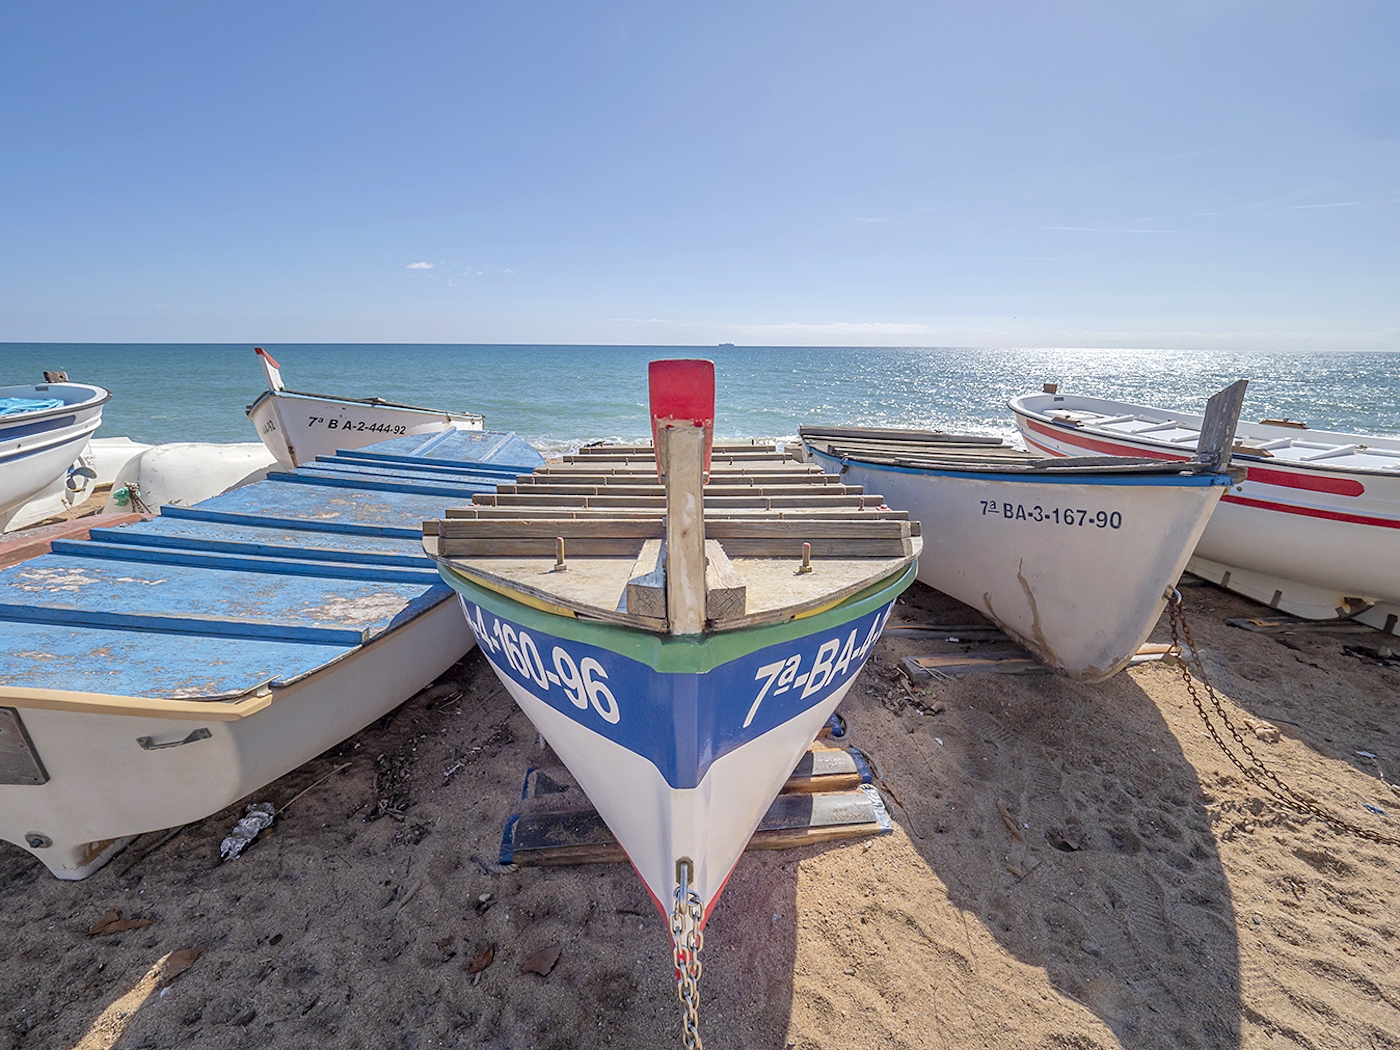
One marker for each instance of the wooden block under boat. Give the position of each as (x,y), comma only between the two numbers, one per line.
(827,768)
(1003,661)
(798,819)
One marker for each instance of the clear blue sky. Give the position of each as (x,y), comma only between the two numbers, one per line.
(1119,174)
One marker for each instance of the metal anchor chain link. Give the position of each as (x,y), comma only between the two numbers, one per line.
(1257,773)
(687,940)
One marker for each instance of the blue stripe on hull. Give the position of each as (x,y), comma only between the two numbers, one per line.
(681,723)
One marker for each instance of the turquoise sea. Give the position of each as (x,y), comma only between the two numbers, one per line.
(560,396)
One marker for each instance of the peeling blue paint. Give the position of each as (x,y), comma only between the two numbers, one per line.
(264,584)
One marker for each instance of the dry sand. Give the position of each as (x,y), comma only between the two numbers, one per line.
(1196,914)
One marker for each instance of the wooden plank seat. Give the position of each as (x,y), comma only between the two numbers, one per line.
(764,513)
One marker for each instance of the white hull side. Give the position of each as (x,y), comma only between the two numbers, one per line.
(296,428)
(103,787)
(656,823)
(1278,550)
(1081,598)
(62,494)
(23,479)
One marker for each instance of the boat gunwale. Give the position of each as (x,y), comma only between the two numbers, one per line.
(29,417)
(681,654)
(365,401)
(1085,476)
(1019,408)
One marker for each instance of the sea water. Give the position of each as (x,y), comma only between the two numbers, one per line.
(558,397)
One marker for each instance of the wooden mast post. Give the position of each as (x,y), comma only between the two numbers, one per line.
(685,528)
(682,427)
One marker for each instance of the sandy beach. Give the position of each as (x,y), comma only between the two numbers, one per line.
(1164,901)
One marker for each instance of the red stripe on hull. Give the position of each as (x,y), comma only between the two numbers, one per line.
(1312,512)
(1094,445)
(1336,486)
(1260,475)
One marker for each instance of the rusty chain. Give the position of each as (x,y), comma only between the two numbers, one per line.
(1258,773)
(687,940)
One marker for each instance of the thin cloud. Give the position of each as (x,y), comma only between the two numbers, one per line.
(1339,204)
(421,266)
(790,329)
(1109,229)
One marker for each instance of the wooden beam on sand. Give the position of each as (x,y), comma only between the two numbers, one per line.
(797,819)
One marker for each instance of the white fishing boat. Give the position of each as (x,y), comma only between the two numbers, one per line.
(297,427)
(678,644)
(1312,529)
(44,429)
(157,672)
(1073,558)
(184,473)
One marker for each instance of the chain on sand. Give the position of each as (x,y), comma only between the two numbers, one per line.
(687,940)
(1257,772)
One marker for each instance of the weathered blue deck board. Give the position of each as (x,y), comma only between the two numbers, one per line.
(266,583)
(61,582)
(230,562)
(209,627)
(183,534)
(138,663)
(431,472)
(438,466)
(345,528)
(440,489)
(361,512)
(468,448)
(490,471)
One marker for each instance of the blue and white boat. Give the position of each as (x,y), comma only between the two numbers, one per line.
(158,672)
(679,644)
(43,430)
(1074,558)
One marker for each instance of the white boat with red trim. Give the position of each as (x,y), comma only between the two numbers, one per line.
(1312,529)
(297,427)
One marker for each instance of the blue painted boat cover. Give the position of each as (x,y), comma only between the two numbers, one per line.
(267,583)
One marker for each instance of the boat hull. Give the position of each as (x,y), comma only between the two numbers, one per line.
(296,428)
(103,787)
(1074,570)
(687,742)
(1303,539)
(187,472)
(37,448)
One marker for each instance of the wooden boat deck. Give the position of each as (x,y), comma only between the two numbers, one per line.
(607,506)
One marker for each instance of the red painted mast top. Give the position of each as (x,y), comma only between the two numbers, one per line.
(682,393)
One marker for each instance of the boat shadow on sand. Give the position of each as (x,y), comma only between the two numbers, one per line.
(1065,821)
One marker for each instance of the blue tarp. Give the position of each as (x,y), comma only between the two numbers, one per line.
(17,406)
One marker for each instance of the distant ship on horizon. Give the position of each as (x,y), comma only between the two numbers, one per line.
(726,344)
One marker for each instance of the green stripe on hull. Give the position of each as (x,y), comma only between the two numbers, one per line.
(690,654)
